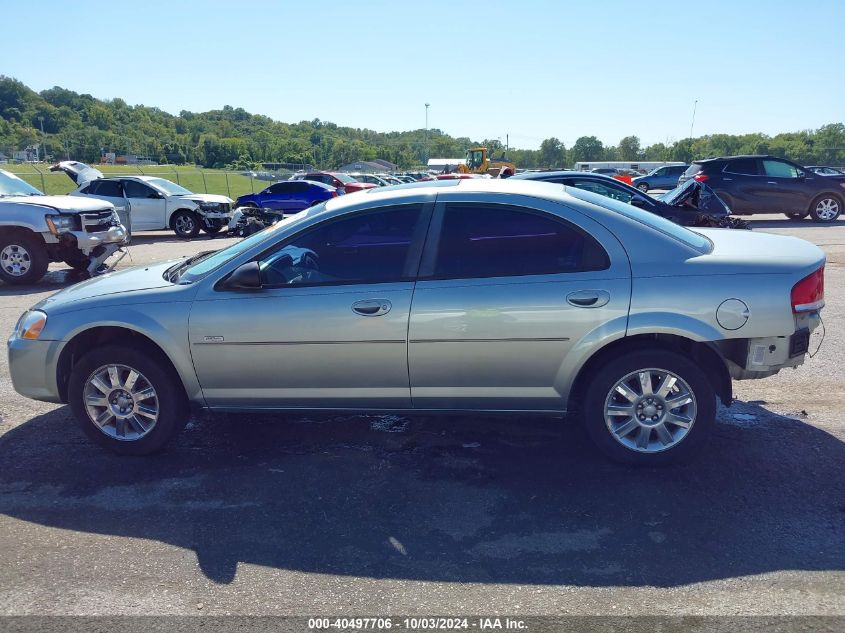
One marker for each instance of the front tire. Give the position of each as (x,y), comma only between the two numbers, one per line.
(126,400)
(643,186)
(826,208)
(23,258)
(649,408)
(212,230)
(185,224)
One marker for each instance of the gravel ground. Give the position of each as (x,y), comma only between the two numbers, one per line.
(388,515)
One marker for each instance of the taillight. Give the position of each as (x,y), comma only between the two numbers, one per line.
(701,177)
(334,193)
(808,294)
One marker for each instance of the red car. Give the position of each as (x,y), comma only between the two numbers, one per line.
(344,182)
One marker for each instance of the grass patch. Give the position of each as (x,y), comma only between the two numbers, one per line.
(218,181)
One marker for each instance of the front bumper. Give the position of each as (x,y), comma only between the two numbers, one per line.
(215,215)
(33,365)
(87,242)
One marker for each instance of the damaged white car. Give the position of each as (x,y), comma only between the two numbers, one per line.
(36,229)
(154,203)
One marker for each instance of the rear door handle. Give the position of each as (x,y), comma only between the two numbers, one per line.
(372,307)
(588,298)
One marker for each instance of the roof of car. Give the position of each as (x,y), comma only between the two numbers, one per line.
(542,175)
(707,160)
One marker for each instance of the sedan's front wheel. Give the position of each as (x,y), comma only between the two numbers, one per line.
(185,224)
(643,186)
(649,408)
(127,400)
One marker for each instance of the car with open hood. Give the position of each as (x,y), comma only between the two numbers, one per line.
(154,203)
(688,205)
(468,296)
(36,229)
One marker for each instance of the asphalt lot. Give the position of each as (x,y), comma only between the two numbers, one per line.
(387,515)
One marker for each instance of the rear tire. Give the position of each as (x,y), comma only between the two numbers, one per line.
(141,435)
(642,428)
(23,258)
(826,208)
(185,224)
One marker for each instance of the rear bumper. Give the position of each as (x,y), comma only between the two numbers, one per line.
(32,365)
(766,356)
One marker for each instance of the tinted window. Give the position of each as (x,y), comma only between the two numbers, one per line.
(480,240)
(135,189)
(746,166)
(301,187)
(677,170)
(109,188)
(282,187)
(779,169)
(369,247)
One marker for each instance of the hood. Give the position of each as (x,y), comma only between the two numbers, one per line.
(80,173)
(207,197)
(696,195)
(64,204)
(127,284)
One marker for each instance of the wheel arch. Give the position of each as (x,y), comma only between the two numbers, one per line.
(177,210)
(705,354)
(101,335)
(834,194)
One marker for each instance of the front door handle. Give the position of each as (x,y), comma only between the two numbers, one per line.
(588,298)
(372,307)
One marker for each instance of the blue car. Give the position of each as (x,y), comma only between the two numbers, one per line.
(665,177)
(290,196)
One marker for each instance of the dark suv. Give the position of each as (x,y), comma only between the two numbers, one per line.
(767,184)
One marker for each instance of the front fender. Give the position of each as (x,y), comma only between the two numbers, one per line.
(166,324)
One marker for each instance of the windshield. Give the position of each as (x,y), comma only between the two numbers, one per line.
(201,266)
(657,222)
(11,185)
(168,187)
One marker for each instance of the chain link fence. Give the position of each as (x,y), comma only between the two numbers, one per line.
(196,179)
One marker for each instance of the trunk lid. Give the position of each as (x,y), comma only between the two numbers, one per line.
(80,173)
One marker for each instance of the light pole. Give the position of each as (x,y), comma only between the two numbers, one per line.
(694,106)
(426,134)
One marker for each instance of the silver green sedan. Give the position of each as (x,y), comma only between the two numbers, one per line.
(460,296)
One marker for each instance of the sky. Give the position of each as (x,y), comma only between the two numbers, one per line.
(524,70)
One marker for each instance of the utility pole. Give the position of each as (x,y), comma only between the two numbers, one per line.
(694,106)
(43,136)
(426,134)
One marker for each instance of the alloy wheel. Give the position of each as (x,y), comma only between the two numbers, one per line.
(650,410)
(15,260)
(184,223)
(121,402)
(827,209)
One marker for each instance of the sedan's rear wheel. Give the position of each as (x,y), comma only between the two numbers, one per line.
(826,208)
(126,400)
(649,408)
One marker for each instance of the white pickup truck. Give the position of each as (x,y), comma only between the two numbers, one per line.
(36,229)
(154,203)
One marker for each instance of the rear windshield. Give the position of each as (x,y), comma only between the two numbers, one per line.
(659,223)
(692,170)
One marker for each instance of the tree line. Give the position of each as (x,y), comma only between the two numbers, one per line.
(80,127)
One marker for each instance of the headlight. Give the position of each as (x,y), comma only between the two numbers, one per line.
(61,223)
(30,325)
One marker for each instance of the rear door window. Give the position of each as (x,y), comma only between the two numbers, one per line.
(491,240)
(743,166)
(106,188)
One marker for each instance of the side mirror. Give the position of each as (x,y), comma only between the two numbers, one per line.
(244,277)
(639,202)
